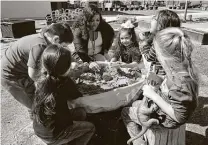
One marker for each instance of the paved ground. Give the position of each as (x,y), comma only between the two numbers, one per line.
(16,127)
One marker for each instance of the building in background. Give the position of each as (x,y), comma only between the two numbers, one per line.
(30,9)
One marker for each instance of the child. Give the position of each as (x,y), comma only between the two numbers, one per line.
(53,122)
(176,98)
(20,64)
(164,19)
(179,90)
(126,47)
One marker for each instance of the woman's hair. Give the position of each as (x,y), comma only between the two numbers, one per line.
(129,31)
(175,45)
(167,18)
(62,30)
(55,62)
(84,18)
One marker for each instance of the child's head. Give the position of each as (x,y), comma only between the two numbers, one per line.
(56,60)
(164,19)
(127,36)
(173,49)
(59,33)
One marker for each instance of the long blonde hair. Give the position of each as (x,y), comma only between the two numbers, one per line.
(176,46)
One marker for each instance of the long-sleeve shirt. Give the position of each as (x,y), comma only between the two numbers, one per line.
(182,96)
(128,54)
(148,51)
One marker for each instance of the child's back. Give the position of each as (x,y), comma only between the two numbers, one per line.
(182,95)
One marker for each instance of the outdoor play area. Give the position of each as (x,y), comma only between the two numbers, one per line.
(111,84)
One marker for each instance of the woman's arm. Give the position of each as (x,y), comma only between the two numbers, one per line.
(149,92)
(79,46)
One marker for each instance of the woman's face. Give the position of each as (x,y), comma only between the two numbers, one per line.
(153,28)
(95,22)
(125,38)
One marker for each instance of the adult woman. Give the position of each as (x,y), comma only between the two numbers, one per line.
(92,36)
(20,64)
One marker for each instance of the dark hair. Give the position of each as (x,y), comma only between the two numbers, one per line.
(84,18)
(62,30)
(131,32)
(55,61)
(167,18)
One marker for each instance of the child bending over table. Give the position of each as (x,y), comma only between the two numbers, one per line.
(53,122)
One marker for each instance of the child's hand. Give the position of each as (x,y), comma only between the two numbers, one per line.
(148,91)
(74,65)
(94,66)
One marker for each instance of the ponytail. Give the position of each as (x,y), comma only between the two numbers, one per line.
(186,50)
(45,101)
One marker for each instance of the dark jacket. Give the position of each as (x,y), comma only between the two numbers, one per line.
(81,43)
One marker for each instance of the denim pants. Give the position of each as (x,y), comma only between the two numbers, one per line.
(21,89)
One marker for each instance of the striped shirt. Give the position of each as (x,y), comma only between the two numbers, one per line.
(148,51)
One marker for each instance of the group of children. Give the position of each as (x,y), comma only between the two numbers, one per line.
(35,71)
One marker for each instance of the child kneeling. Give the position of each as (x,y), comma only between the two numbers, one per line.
(53,122)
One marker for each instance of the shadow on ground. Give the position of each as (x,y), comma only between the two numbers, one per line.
(196,139)
(200,115)
(110,129)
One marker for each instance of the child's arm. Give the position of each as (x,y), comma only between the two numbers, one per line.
(34,74)
(113,59)
(136,58)
(129,65)
(149,53)
(34,62)
(146,48)
(149,92)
